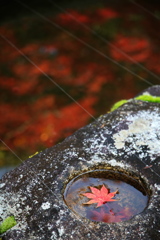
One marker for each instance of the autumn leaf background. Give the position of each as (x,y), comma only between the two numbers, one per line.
(35,113)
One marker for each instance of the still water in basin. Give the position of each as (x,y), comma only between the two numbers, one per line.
(104,199)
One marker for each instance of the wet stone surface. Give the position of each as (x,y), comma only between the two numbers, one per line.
(126,140)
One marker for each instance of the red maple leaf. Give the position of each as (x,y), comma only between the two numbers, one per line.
(100,196)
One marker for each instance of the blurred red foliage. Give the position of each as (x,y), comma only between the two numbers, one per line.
(153,62)
(139,49)
(104,14)
(72,17)
(35,113)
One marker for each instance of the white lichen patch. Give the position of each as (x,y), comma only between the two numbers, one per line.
(114,163)
(2,185)
(96,159)
(157,186)
(139,126)
(97,145)
(45,205)
(54,235)
(13,205)
(144,130)
(146,93)
(61,231)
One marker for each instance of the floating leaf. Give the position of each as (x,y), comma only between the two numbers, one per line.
(100,196)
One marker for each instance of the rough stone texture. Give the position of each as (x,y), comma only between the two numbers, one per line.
(128,139)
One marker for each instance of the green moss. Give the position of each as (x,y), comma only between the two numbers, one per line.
(118,104)
(33,154)
(8,223)
(148,98)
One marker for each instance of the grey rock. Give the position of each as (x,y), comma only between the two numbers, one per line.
(126,139)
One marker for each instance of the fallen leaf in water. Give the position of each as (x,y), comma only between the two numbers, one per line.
(100,196)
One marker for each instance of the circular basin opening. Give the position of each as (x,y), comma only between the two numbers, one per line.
(106,196)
